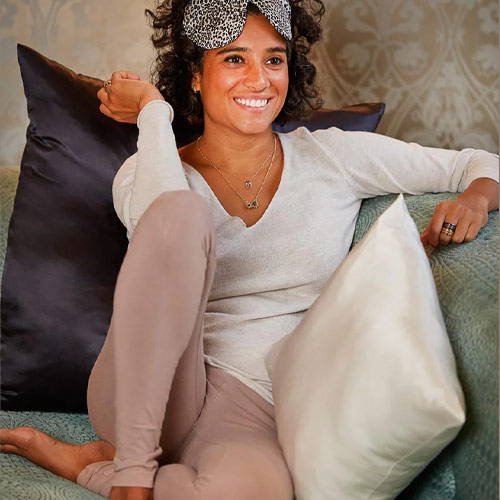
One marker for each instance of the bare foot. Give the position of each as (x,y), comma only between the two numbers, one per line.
(64,459)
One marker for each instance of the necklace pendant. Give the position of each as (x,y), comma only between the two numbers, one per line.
(248,184)
(253,204)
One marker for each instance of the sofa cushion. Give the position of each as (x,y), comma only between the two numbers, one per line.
(65,242)
(466,281)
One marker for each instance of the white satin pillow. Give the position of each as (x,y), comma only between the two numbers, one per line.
(365,388)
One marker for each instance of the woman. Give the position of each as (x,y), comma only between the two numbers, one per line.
(182,418)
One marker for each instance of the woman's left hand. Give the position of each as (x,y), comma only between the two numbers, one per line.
(469,212)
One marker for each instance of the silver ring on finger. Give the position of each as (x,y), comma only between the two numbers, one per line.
(107,84)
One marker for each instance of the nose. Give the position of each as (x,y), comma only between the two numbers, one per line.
(256,77)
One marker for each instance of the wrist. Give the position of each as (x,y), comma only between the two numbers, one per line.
(153,95)
(474,201)
(482,193)
(156,103)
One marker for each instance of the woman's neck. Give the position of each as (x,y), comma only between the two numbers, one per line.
(237,153)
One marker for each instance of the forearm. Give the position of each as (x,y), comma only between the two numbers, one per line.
(388,165)
(156,167)
(159,167)
(484,190)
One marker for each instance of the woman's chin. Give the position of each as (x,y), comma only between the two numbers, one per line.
(242,125)
(253,127)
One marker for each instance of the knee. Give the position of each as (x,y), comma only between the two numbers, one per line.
(175,482)
(181,204)
(180,214)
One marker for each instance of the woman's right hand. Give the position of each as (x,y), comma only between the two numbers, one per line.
(130,493)
(126,96)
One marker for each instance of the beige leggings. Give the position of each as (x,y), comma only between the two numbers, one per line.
(186,429)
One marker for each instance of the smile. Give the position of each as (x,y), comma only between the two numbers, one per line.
(252,103)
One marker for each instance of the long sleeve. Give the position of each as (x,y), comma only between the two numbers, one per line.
(374,164)
(154,169)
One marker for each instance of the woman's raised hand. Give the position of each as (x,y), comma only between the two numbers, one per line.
(126,96)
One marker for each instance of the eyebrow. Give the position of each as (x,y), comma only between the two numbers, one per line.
(244,49)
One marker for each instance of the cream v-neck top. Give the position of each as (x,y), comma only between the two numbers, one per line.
(269,274)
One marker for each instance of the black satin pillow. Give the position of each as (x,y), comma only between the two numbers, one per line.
(364,116)
(65,242)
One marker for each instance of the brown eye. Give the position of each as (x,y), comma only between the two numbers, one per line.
(233,59)
(275,61)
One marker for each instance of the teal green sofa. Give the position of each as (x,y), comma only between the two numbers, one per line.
(466,279)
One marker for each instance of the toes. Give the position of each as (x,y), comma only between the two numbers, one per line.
(13,440)
(8,448)
(18,437)
(5,435)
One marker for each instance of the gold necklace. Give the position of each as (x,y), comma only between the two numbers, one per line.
(248,204)
(248,182)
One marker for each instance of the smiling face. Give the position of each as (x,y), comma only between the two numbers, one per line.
(243,85)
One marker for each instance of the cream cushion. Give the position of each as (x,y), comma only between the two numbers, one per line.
(365,388)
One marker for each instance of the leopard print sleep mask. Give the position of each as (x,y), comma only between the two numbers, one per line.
(211,24)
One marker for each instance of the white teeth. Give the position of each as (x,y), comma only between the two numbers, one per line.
(253,103)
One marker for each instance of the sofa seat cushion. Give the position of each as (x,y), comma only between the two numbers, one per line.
(466,280)
(21,478)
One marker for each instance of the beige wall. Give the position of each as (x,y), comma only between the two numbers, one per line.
(434,62)
(94,37)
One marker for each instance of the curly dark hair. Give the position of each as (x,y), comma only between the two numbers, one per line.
(178,59)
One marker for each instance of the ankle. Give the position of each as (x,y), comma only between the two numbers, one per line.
(98,451)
